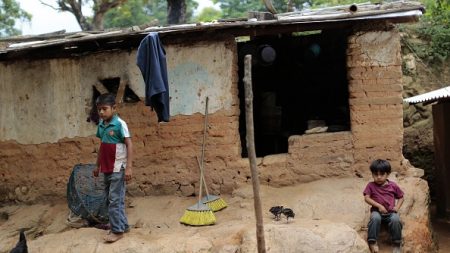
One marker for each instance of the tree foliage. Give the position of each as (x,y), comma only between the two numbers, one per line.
(238,8)
(435,28)
(143,12)
(99,8)
(434,32)
(208,14)
(124,13)
(10,11)
(135,12)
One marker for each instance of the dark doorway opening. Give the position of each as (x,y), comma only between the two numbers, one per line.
(298,80)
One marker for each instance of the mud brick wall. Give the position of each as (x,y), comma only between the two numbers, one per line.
(310,157)
(375,87)
(321,155)
(164,157)
(36,165)
(165,153)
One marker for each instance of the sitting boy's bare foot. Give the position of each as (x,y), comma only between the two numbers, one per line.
(113,237)
(373,248)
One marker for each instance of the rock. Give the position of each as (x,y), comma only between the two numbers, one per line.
(24,190)
(187,190)
(308,236)
(409,62)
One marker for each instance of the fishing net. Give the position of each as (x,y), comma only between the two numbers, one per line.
(86,195)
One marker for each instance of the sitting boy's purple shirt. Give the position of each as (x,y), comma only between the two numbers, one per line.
(385,195)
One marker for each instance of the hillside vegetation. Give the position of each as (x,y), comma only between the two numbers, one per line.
(426,61)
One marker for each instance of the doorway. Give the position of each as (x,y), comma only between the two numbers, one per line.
(299,81)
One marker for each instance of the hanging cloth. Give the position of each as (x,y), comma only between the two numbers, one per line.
(151,60)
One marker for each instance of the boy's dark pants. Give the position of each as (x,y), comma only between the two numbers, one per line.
(395,226)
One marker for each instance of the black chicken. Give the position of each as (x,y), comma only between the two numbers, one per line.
(276,211)
(21,246)
(288,213)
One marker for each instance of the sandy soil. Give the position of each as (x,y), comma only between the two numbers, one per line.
(155,223)
(155,220)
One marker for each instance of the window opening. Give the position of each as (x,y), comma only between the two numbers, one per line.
(93,113)
(299,86)
(111,84)
(130,96)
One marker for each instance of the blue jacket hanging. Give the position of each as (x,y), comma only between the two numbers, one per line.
(151,60)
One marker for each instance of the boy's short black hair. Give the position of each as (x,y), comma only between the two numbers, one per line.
(106,99)
(380,165)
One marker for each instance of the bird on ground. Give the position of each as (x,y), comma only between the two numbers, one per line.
(288,213)
(276,211)
(21,246)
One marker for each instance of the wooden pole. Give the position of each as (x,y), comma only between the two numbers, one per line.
(252,154)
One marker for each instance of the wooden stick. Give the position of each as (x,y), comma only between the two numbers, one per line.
(252,153)
(205,129)
(121,91)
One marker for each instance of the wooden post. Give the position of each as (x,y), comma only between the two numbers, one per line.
(252,153)
(120,92)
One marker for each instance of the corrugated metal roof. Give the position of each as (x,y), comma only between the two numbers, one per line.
(364,11)
(316,19)
(430,96)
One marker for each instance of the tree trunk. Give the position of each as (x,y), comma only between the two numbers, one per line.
(176,12)
(252,153)
(74,6)
(100,8)
(97,21)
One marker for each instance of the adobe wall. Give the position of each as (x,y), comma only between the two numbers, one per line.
(44,128)
(375,85)
(44,132)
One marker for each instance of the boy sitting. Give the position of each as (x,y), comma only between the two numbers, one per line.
(381,195)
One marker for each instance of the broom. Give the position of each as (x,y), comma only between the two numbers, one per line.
(214,202)
(198,214)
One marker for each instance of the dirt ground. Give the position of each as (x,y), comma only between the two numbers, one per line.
(156,228)
(441,228)
(59,210)
(442,233)
(155,224)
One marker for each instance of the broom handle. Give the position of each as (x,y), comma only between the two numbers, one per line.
(203,175)
(205,126)
(200,190)
(203,154)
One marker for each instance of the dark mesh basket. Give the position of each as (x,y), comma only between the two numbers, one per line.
(86,195)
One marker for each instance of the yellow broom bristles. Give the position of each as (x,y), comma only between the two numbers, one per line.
(214,202)
(198,215)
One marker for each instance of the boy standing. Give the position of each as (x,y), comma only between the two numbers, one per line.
(115,162)
(381,195)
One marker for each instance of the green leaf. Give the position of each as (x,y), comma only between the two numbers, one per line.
(10,12)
